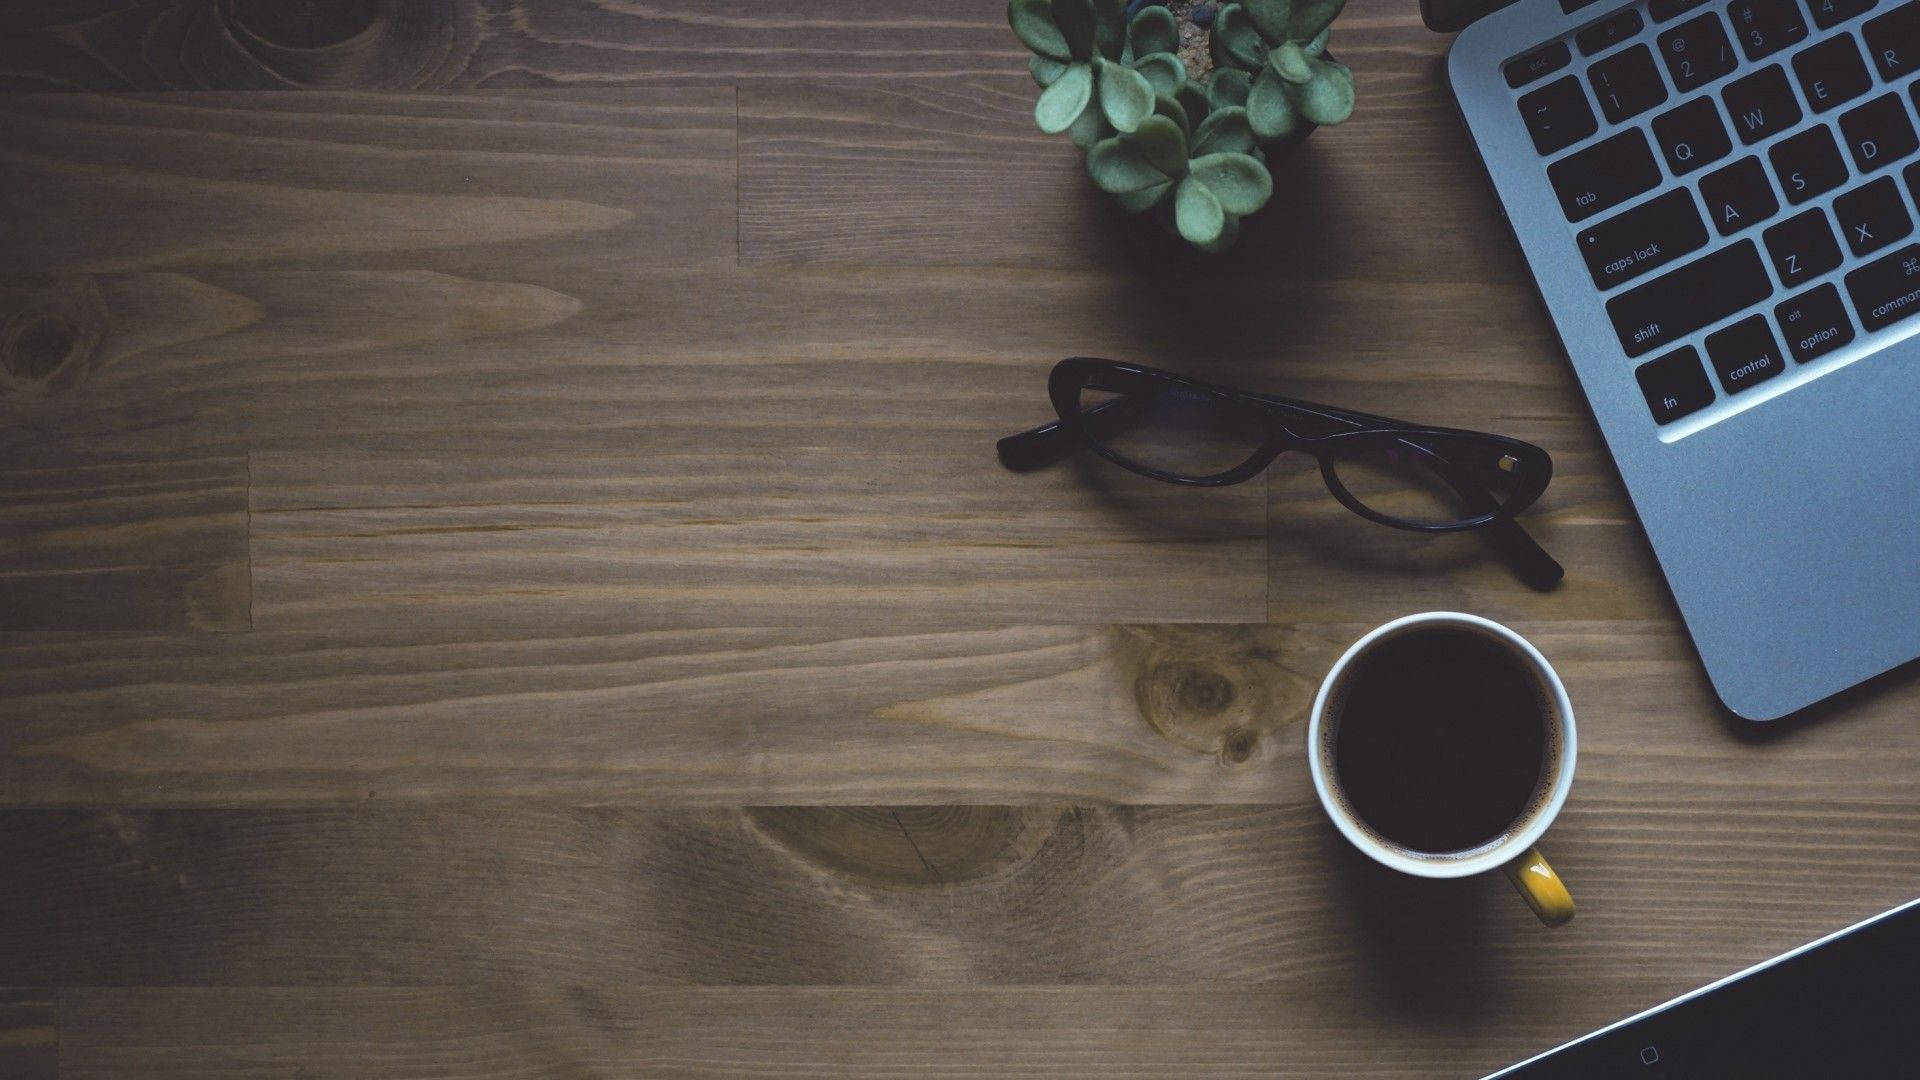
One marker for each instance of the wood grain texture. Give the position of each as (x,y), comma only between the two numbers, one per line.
(1027,1033)
(929,896)
(29,1035)
(139,544)
(492,417)
(433,44)
(651,673)
(1142,715)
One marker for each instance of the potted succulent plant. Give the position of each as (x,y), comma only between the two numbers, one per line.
(1175,130)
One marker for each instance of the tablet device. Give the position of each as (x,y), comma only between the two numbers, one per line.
(1847,1005)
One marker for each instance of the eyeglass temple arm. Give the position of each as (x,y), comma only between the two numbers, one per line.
(1523,554)
(1041,446)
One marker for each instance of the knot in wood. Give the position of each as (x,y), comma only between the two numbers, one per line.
(1207,690)
(49,331)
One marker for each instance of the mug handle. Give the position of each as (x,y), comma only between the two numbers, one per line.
(1540,887)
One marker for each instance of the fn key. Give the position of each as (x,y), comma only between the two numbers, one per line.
(1675,385)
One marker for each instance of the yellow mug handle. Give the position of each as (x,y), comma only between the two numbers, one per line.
(1540,887)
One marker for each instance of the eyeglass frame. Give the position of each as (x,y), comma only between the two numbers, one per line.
(1046,443)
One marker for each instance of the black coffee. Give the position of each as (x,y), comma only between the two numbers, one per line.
(1440,739)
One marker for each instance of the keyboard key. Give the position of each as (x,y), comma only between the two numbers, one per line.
(1674,385)
(1697,52)
(1802,247)
(1912,173)
(1831,13)
(1537,64)
(1815,323)
(1745,354)
(1887,289)
(1872,217)
(1691,136)
(1571,6)
(1808,164)
(1878,133)
(1604,175)
(1738,196)
(1831,72)
(1627,84)
(1701,293)
(1557,115)
(1762,104)
(1662,10)
(1644,238)
(1608,32)
(1893,40)
(1764,27)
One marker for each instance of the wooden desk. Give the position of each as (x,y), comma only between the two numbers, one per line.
(504,575)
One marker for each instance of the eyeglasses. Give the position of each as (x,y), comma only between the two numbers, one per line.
(1184,431)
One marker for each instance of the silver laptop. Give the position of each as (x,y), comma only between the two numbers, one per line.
(1717,199)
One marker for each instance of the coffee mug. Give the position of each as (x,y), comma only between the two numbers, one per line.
(1437,710)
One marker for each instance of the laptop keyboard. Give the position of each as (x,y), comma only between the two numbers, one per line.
(1741,171)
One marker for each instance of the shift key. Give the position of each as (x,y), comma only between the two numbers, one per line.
(1703,292)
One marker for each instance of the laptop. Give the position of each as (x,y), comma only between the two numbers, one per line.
(1717,199)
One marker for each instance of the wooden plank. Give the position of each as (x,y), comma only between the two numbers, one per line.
(1140,715)
(716,717)
(134,544)
(1025,1033)
(410,44)
(492,416)
(940,897)
(515,181)
(953,172)
(29,1035)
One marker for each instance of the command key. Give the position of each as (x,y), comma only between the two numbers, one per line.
(1887,289)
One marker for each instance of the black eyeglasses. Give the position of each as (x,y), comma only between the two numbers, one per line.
(1185,431)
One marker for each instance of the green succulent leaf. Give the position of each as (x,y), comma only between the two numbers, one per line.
(1032,22)
(1153,30)
(1327,98)
(1164,144)
(1198,213)
(1319,43)
(1120,166)
(1089,127)
(1234,41)
(1125,95)
(1224,132)
(1270,108)
(1312,17)
(1136,202)
(1166,106)
(1273,18)
(1227,236)
(1063,102)
(1163,70)
(1242,184)
(1193,98)
(1289,61)
(1228,86)
(1078,24)
(1045,69)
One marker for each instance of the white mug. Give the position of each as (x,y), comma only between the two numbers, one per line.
(1513,850)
